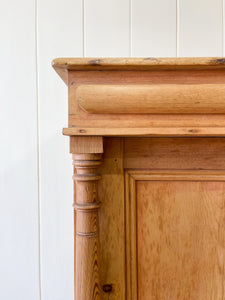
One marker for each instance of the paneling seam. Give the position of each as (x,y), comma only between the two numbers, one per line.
(177,28)
(83,28)
(38,149)
(130,28)
(222,27)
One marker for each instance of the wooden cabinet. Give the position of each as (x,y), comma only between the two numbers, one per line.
(148,149)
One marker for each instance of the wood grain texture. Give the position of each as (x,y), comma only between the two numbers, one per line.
(178,245)
(148,63)
(152,99)
(89,144)
(180,238)
(146,132)
(102,124)
(63,65)
(131,240)
(86,205)
(112,220)
(170,99)
(174,153)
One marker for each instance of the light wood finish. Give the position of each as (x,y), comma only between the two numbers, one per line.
(152,99)
(147,63)
(63,65)
(142,124)
(162,124)
(175,234)
(86,205)
(90,144)
(146,132)
(112,220)
(174,153)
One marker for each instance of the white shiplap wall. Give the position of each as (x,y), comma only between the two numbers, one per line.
(19,222)
(59,33)
(36,236)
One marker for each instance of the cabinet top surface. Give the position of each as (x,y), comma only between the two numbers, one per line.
(148,63)
(175,97)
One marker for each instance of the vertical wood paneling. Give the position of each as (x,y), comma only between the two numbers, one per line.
(223,27)
(59,34)
(106,25)
(153,28)
(200,28)
(19,260)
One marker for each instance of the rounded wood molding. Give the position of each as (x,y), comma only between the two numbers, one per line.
(87,206)
(152,98)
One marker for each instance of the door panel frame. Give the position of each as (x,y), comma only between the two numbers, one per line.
(131,178)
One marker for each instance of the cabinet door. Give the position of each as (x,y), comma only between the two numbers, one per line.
(162,221)
(176,236)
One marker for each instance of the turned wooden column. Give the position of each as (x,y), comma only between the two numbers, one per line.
(86,205)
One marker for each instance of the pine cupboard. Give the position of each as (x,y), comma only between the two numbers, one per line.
(147,138)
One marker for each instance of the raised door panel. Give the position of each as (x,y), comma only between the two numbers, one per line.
(175,235)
